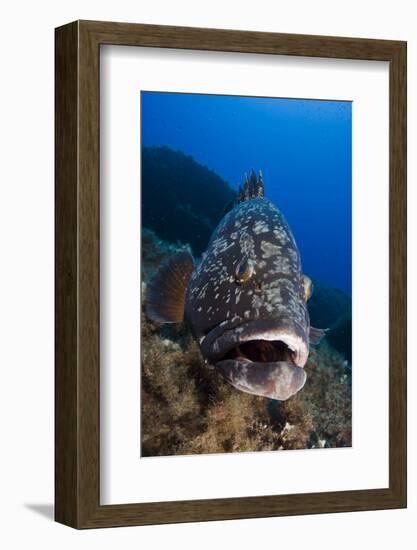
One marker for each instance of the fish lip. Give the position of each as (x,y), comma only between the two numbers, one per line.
(279,381)
(218,343)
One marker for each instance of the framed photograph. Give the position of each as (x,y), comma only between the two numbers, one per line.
(230,274)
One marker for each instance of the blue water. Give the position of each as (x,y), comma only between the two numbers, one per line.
(303,147)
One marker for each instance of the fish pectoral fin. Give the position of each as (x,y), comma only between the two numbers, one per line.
(165,293)
(317,334)
(308,287)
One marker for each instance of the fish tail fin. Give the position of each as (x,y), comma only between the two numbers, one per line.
(165,294)
(252,188)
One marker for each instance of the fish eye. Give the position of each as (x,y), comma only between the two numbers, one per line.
(244,271)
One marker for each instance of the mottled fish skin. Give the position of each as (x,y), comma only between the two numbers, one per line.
(271,301)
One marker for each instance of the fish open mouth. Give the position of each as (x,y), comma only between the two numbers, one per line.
(263,341)
(263,367)
(262,351)
(261,358)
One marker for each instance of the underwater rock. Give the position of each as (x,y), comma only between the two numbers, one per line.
(327,305)
(181,199)
(187,408)
(340,336)
(332,308)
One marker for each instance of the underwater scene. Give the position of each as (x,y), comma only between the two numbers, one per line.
(246,274)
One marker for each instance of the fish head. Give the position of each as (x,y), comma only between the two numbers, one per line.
(246,303)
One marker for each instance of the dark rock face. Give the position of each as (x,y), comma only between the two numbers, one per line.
(331,308)
(340,336)
(182,201)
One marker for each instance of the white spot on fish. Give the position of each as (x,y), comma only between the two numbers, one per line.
(282,235)
(247,245)
(202,292)
(269,249)
(282,265)
(257,302)
(260,227)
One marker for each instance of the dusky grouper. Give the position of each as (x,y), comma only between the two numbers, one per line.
(245,301)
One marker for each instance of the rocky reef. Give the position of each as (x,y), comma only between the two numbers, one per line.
(187,408)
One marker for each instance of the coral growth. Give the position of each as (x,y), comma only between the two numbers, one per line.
(188,408)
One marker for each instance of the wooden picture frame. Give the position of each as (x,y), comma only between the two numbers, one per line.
(77,382)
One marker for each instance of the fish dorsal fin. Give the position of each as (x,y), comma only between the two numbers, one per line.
(165,293)
(252,188)
(317,334)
